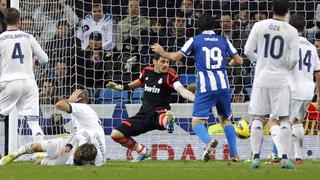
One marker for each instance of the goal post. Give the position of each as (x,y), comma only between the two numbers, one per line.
(83,55)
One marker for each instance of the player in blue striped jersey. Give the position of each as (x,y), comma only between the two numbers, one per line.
(210,52)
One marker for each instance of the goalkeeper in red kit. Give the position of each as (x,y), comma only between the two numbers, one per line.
(158,82)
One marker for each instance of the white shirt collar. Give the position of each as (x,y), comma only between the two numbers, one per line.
(208,32)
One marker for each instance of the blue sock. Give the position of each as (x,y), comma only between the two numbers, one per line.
(274,149)
(202,132)
(230,133)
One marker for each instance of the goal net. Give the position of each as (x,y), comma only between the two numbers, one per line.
(92,42)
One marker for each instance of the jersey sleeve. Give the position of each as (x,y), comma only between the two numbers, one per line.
(231,50)
(187,48)
(293,50)
(142,76)
(315,61)
(251,44)
(42,57)
(171,79)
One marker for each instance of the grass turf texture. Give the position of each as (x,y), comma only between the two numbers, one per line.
(160,170)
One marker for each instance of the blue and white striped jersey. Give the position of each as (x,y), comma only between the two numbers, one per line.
(210,52)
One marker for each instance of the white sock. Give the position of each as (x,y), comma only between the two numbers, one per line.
(37,133)
(25,149)
(256,136)
(297,137)
(284,137)
(274,130)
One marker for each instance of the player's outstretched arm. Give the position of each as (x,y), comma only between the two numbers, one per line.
(185,93)
(118,87)
(175,56)
(64,105)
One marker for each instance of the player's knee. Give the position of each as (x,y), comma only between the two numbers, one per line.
(273,122)
(285,124)
(36,147)
(116,135)
(197,121)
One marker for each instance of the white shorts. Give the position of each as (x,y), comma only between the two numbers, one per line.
(53,148)
(298,109)
(24,94)
(274,102)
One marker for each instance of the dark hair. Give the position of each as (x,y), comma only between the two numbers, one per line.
(85,155)
(280,7)
(298,21)
(205,22)
(95,36)
(11,16)
(156,56)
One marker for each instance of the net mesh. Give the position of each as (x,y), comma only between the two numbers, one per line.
(92,42)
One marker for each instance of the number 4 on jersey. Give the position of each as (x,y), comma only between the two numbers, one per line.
(17,53)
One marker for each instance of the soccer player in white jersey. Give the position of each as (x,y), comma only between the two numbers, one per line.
(302,85)
(62,151)
(19,88)
(273,44)
(85,118)
(210,52)
(58,152)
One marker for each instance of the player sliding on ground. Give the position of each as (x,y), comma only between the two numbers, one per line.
(88,130)
(158,82)
(211,52)
(59,152)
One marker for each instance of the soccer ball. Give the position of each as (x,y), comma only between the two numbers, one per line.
(242,129)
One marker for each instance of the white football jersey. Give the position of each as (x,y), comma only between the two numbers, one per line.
(92,137)
(273,44)
(88,129)
(301,82)
(17,49)
(104,26)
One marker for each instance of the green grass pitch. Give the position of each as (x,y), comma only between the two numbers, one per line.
(160,170)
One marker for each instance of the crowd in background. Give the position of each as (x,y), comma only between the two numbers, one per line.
(90,42)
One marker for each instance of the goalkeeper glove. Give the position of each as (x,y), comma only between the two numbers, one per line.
(115,86)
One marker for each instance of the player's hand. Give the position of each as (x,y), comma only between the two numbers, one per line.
(75,96)
(115,86)
(157,48)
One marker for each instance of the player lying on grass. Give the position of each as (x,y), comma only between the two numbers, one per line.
(158,82)
(87,127)
(86,123)
(59,152)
